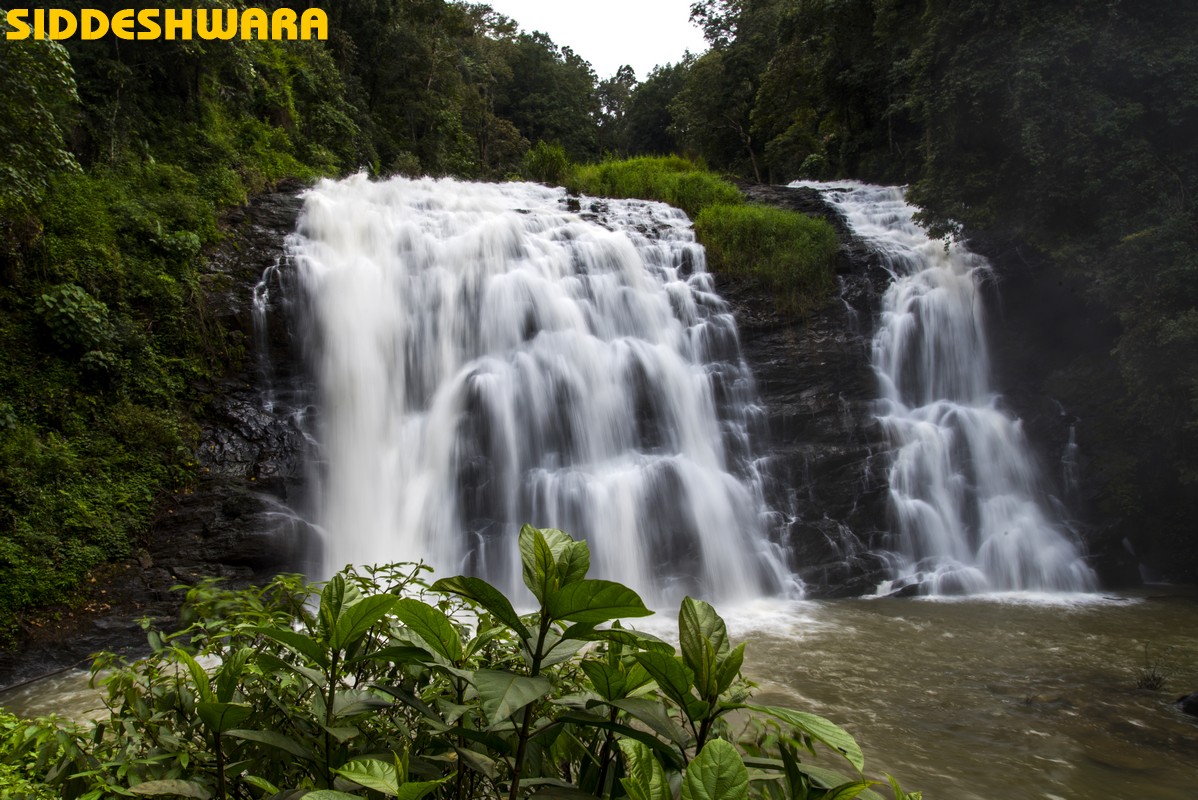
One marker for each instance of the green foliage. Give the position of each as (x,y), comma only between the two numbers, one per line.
(791,253)
(376,683)
(670,179)
(546,163)
(37,92)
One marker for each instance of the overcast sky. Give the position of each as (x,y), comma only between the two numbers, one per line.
(643,33)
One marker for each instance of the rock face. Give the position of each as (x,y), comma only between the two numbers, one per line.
(814,376)
(234,522)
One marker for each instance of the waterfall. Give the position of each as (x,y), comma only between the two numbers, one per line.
(486,358)
(968,501)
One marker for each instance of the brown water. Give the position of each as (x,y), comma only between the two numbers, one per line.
(985,700)
(968,700)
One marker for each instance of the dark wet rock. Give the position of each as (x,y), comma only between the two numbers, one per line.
(827,450)
(1188,704)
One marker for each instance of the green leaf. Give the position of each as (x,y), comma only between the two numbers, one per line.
(305,645)
(818,728)
(629,638)
(653,714)
(356,701)
(277,740)
(261,783)
(646,779)
(848,791)
(357,619)
(607,680)
(592,602)
(174,788)
(672,676)
(416,791)
(487,596)
(330,794)
(716,774)
(229,674)
(220,717)
(590,720)
(199,676)
(702,638)
(504,693)
(729,668)
(573,563)
(539,561)
(275,664)
(336,596)
(372,773)
(433,627)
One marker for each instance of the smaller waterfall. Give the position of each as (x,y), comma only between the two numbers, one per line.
(966,494)
(484,358)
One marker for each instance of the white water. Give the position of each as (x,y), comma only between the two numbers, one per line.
(968,500)
(486,358)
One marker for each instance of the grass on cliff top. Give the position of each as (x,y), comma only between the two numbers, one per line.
(791,254)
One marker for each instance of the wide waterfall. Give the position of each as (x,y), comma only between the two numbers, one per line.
(485,358)
(968,500)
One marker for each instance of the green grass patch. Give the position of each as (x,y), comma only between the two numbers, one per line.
(791,253)
(670,179)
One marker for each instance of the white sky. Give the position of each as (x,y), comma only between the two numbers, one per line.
(608,33)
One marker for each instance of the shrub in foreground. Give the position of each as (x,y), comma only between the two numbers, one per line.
(380,684)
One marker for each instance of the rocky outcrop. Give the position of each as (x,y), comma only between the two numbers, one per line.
(814,376)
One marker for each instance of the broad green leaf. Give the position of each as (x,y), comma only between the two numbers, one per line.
(408,698)
(589,720)
(431,626)
(702,638)
(330,794)
(276,664)
(646,779)
(607,680)
(899,794)
(229,674)
(593,601)
(416,791)
(372,773)
(629,638)
(299,642)
(220,717)
(392,655)
(487,596)
(505,693)
(653,714)
(355,620)
(818,728)
(174,788)
(336,596)
(261,783)
(277,740)
(198,675)
(573,563)
(539,561)
(480,763)
(729,668)
(673,678)
(848,791)
(716,774)
(356,701)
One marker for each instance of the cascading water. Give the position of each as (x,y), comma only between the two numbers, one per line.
(486,358)
(965,491)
